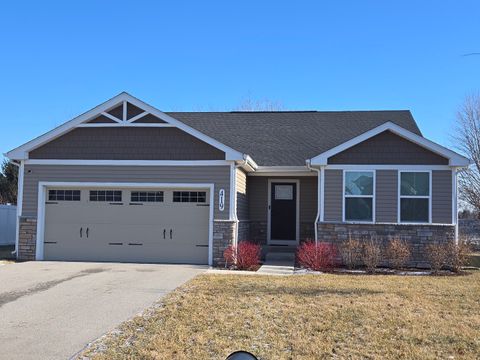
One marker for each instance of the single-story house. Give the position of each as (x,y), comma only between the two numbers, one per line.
(127,182)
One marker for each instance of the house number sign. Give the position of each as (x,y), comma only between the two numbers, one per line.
(221,200)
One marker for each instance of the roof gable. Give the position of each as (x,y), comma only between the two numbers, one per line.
(454,159)
(123,110)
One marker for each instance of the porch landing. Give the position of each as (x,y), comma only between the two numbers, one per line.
(279,260)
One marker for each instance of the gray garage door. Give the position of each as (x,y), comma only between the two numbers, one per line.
(130,225)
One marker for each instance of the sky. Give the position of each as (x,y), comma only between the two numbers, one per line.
(60,59)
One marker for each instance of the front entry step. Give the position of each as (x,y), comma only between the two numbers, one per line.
(278,263)
(277,257)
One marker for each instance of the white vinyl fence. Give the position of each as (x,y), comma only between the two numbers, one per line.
(8,222)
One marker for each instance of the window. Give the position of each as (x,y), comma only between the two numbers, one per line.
(190,196)
(283,192)
(415,197)
(146,196)
(358,195)
(64,195)
(105,195)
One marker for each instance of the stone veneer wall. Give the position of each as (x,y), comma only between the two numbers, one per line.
(223,235)
(27,238)
(258,232)
(417,236)
(243,230)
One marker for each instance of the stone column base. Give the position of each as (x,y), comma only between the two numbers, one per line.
(223,236)
(27,239)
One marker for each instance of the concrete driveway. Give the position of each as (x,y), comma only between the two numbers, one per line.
(52,310)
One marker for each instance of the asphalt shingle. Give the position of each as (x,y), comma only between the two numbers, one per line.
(288,138)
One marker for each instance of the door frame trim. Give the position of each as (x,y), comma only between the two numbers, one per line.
(42,195)
(297,213)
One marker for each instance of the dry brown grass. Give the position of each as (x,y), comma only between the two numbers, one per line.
(309,317)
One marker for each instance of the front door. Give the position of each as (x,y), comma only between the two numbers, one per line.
(283,212)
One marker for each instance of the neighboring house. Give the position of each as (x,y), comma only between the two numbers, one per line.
(127,182)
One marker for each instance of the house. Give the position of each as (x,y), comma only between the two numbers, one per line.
(127,182)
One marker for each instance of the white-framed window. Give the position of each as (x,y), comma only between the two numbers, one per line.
(106,195)
(64,195)
(359,196)
(414,196)
(190,196)
(146,196)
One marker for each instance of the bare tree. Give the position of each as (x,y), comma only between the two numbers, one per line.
(250,104)
(467,140)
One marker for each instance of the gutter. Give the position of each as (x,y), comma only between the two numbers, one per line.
(317,218)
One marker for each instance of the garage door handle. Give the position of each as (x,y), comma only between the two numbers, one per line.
(81,231)
(87,232)
(164,233)
(171,233)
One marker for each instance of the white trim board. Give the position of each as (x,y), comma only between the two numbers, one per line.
(387,167)
(42,190)
(21,152)
(130,162)
(454,158)
(269,213)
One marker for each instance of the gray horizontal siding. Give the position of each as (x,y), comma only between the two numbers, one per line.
(388,148)
(127,143)
(218,175)
(333,195)
(386,204)
(442,196)
(242,202)
(258,197)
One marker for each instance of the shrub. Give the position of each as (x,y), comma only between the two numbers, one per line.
(244,256)
(457,255)
(317,257)
(351,251)
(398,252)
(371,254)
(437,255)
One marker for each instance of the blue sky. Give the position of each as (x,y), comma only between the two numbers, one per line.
(59,59)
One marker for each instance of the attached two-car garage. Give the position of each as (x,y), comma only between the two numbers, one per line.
(129,224)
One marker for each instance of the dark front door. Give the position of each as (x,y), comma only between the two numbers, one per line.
(283,221)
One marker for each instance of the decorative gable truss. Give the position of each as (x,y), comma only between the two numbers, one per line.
(125,114)
(123,110)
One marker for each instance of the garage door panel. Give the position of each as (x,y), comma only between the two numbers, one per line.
(161,230)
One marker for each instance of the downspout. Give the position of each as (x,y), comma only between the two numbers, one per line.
(317,218)
(234,184)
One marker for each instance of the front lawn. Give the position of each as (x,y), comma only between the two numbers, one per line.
(308,317)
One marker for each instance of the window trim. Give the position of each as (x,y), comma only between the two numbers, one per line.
(373,196)
(105,201)
(160,193)
(189,196)
(69,200)
(400,196)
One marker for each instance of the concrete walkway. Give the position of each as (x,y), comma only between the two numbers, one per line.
(52,310)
